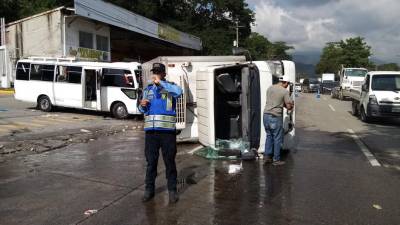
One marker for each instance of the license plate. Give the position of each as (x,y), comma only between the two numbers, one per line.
(396,110)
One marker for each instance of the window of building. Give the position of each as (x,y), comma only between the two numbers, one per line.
(85,39)
(117,78)
(23,71)
(102,43)
(42,72)
(69,74)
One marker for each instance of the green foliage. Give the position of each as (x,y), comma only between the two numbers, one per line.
(261,48)
(353,52)
(16,9)
(389,67)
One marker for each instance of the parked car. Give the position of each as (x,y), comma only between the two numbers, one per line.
(327,86)
(298,87)
(310,85)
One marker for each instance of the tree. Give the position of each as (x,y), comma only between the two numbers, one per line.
(261,48)
(353,52)
(389,67)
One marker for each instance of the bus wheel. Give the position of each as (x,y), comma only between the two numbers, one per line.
(44,104)
(119,111)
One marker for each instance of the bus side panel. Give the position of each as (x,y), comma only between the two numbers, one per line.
(23,91)
(68,95)
(109,95)
(34,89)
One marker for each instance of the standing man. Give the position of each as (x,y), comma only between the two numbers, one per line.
(277,98)
(159,106)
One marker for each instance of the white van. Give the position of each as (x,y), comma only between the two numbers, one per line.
(108,87)
(379,96)
(224,97)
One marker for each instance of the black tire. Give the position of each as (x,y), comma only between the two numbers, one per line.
(44,104)
(354,108)
(119,111)
(363,116)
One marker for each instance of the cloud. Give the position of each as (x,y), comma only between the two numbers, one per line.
(309,24)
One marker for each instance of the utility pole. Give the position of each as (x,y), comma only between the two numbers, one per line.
(236,43)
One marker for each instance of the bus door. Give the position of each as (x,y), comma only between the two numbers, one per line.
(91,88)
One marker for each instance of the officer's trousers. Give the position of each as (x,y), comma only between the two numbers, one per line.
(166,140)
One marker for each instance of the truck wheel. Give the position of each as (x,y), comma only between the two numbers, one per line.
(119,111)
(354,108)
(44,104)
(363,116)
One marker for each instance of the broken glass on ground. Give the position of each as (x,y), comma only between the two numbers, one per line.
(225,149)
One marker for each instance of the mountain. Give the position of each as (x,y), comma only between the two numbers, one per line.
(305,69)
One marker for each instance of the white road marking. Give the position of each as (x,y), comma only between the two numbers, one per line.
(333,109)
(195,149)
(371,158)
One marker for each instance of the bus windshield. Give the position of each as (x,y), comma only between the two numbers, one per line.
(355,72)
(386,82)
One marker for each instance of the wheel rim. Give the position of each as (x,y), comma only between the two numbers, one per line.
(44,104)
(121,111)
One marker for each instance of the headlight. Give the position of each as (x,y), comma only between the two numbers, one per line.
(373,100)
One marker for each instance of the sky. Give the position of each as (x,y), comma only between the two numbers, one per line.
(309,24)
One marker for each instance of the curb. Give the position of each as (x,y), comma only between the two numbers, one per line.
(7,92)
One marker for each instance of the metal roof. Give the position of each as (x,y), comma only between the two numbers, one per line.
(120,17)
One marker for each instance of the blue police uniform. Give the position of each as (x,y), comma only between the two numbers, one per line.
(160,129)
(160,113)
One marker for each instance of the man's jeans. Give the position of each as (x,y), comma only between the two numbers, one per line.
(274,128)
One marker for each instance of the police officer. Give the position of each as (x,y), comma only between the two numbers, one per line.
(159,106)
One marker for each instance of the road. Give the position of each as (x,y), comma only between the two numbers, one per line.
(342,172)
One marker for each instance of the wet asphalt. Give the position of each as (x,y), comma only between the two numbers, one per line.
(327,180)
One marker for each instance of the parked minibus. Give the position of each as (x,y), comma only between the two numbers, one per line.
(51,82)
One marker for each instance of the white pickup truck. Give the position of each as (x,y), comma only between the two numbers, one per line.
(379,96)
(350,81)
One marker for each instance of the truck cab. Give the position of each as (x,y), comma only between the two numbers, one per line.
(380,96)
(351,80)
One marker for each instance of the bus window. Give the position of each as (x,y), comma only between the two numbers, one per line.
(42,72)
(23,71)
(69,74)
(117,78)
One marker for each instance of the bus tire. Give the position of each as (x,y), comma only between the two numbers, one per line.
(44,104)
(119,110)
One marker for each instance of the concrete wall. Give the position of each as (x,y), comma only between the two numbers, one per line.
(76,24)
(36,36)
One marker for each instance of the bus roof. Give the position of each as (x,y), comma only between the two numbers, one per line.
(120,65)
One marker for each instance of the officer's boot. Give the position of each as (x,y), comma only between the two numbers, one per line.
(173,197)
(148,195)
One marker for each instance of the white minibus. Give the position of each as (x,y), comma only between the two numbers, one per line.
(109,87)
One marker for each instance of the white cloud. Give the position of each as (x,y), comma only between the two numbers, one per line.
(309,24)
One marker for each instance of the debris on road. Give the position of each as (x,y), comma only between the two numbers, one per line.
(85,131)
(90,212)
(378,207)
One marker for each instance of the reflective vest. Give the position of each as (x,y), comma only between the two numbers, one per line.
(160,114)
